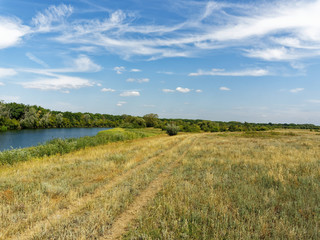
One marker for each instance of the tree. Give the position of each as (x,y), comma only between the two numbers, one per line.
(45,120)
(87,119)
(16,110)
(151,119)
(30,119)
(59,119)
(4,111)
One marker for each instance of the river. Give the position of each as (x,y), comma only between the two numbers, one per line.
(32,137)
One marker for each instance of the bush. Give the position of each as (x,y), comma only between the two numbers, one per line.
(3,128)
(172,129)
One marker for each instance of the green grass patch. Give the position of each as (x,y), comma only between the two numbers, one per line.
(269,134)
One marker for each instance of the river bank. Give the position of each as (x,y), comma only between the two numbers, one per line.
(62,146)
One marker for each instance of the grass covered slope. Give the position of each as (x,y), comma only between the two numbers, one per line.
(191,186)
(237,187)
(62,146)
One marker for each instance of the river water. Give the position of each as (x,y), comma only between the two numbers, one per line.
(33,137)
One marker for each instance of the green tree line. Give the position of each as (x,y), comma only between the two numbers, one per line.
(16,116)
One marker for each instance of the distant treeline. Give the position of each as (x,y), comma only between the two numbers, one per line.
(20,116)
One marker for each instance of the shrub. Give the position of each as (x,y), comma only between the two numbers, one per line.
(172,129)
(3,128)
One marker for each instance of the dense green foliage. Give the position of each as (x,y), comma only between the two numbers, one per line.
(21,116)
(62,146)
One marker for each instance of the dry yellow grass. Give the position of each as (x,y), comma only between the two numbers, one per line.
(192,186)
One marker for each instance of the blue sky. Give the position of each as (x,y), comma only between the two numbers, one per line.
(255,61)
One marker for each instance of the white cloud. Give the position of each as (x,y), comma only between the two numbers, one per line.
(198,91)
(84,64)
(107,90)
(135,70)
(58,82)
(130,94)
(241,73)
(2,84)
(65,91)
(12,31)
(183,90)
(168,90)
(36,60)
(117,17)
(44,21)
(121,103)
(7,72)
(296,90)
(276,54)
(224,89)
(119,70)
(141,80)
(10,98)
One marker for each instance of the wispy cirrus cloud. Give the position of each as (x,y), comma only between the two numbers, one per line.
(36,60)
(58,82)
(240,27)
(54,79)
(80,64)
(272,31)
(44,21)
(241,73)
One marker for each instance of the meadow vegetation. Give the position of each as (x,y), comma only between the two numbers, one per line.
(189,186)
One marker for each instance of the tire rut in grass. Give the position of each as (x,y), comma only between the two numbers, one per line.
(60,215)
(133,211)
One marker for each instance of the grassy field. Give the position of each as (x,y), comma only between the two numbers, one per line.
(190,186)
